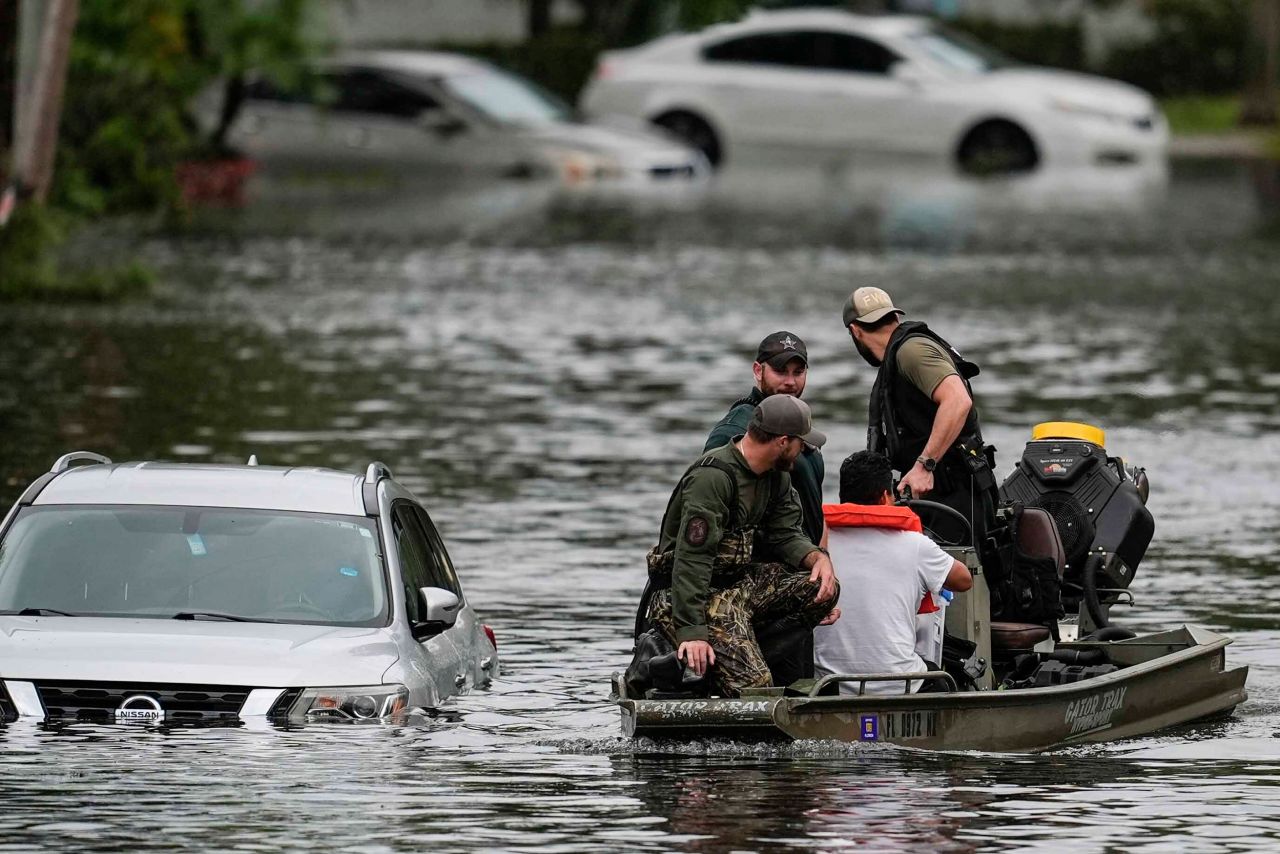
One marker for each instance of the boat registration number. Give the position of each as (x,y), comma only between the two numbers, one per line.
(900,726)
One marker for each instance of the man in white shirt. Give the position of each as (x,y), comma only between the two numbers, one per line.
(885,565)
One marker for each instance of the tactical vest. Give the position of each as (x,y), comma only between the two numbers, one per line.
(901,416)
(737,546)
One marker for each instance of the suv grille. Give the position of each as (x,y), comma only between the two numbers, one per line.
(8,711)
(98,701)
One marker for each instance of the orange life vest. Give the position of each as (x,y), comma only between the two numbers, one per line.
(889,516)
(871,516)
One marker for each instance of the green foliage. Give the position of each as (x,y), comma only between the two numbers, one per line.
(1198,48)
(104,285)
(560,60)
(26,260)
(235,37)
(231,37)
(696,14)
(1052,43)
(563,59)
(29,269)
(1202,114)
(128,81)
(134,70)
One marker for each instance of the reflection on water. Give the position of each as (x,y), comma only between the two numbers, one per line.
(541,394)
(459,789)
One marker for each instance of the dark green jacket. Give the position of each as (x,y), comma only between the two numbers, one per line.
(696,522)
(806,477)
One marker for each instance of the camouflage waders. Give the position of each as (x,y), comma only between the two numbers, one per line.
(759,593)
(725,586)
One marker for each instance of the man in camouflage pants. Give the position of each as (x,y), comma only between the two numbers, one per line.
(709,589)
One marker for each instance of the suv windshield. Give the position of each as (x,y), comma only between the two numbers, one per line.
(200,563)
(958,51)
(507,99)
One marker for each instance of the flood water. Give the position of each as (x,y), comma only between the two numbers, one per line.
(540,369)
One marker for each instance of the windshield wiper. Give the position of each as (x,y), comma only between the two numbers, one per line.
(215,615)
(37,612)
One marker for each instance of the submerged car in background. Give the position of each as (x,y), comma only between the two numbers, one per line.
(384,116)
(214,594)
(836,81)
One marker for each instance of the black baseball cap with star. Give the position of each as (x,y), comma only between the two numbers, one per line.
(781,347)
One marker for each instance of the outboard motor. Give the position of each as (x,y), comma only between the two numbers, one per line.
(1098,503)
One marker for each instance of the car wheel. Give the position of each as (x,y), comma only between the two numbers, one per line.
(997,148)
(695,133)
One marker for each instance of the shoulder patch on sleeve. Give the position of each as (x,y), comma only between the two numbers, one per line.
(695,532)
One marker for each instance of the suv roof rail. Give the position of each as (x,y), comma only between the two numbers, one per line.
(374,473)
(64,462)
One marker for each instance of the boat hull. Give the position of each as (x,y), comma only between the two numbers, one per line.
(1166,679)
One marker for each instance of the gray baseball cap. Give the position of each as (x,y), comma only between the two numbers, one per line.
(784,415)
(867,305)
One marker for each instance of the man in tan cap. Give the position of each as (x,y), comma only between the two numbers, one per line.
(922,415)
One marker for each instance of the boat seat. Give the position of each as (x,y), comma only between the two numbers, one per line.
(1039,537)
(1017,637)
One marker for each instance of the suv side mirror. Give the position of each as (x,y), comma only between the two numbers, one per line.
(441,609)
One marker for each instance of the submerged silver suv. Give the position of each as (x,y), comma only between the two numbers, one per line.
(182,593)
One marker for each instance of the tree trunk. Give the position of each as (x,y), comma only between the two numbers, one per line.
(37,142)
(539,17)
(1263,58)
(233,97)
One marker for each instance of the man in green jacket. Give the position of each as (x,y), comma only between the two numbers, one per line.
(710,588)
(781,367)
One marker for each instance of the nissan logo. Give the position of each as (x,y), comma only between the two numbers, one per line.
(140,708)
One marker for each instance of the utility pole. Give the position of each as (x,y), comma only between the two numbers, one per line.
(1262,55)
(40,87)
(8,80)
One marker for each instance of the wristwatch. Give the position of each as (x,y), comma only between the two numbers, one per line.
(929,463)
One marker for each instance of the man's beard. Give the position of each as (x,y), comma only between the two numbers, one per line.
(768,389)
(866,354)
(784,463)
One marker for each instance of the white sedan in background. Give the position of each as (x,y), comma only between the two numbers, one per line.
(831,80)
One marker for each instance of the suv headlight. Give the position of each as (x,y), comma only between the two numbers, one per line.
(359,703)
